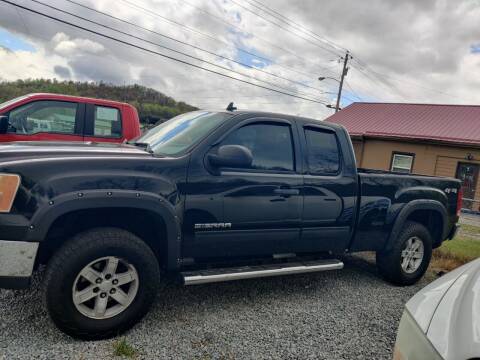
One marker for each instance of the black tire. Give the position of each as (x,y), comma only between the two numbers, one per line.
(389,262)
(78,252)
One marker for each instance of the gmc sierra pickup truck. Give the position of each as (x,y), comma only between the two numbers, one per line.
(205,197)
(55,117)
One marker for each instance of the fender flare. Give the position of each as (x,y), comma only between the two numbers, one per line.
(63,204)
(408,209)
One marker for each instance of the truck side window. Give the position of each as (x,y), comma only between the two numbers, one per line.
(43,116)
(322,152)
(270,144)
(107,122)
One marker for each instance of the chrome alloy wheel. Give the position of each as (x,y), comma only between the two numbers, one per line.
(105,288)
(412,255)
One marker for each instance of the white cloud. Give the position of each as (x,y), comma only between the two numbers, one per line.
(67,47)
(415,51)
(26,64)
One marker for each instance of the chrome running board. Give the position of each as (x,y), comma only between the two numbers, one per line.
(251,272)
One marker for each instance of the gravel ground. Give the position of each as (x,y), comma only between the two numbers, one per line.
(347,314)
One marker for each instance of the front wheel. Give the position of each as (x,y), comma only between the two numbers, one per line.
(100,283)
(408,259)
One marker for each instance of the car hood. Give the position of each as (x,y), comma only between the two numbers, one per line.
(448,312)
(53,149)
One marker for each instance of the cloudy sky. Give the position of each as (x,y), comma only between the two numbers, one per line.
(403,51)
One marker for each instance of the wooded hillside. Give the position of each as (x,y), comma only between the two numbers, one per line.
(152,105)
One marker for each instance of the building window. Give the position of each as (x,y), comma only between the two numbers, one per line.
(402,162)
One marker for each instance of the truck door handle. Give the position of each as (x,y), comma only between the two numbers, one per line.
(286,192)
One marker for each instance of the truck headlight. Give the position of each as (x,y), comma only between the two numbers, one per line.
(9,184)
(412,343)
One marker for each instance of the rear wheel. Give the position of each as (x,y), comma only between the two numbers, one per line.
(408,259)
(100,283)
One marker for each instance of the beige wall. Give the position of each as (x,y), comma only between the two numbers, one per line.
(357,148)
(439,160)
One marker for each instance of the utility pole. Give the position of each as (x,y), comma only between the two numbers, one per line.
(344,73)
(340,87)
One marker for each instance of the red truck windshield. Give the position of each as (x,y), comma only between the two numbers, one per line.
(10,102)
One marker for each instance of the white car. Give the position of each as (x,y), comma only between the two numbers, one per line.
(442,321)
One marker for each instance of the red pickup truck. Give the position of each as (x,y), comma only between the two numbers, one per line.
(54,117)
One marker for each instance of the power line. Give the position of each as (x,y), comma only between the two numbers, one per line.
(152,51)
(381,82)
(164,47)
(365,66)
(285,29)
(243,96)
(220,19)
(352,91)
(379,75)
(213,38)
(394,78)
(277,15)
(240,103)
(194,46)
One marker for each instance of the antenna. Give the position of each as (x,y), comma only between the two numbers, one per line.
(231,107)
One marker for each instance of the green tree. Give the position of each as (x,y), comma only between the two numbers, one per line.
(153,106)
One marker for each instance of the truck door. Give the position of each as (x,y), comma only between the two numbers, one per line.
(261,205)
(329,190)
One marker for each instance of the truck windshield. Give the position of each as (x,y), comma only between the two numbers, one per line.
(178,134)
(7,103)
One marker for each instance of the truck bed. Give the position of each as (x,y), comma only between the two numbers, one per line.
(384,194)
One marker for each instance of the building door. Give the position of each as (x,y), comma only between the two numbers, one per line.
(468,175)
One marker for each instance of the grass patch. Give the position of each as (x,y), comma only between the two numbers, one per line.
(455,253)
(124,349)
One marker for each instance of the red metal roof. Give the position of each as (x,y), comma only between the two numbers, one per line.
(459,124)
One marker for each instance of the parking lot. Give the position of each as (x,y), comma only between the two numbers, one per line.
(347,314)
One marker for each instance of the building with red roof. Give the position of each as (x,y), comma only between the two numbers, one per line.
(440,140)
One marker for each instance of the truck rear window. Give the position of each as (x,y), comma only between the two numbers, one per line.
(107,122)
(323,153)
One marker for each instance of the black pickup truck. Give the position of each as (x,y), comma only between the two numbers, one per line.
(205,197)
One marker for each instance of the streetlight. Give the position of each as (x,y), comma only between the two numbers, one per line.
(332,107)
(321,78)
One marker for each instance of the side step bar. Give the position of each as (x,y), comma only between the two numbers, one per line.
(250,272)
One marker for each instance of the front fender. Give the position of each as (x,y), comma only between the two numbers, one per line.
(43,219)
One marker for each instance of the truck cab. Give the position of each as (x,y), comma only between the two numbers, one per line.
(54,117)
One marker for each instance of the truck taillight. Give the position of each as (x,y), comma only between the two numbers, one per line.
(459,200)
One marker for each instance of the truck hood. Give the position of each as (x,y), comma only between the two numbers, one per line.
(21,150)
(448,312)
